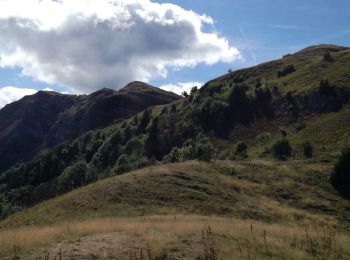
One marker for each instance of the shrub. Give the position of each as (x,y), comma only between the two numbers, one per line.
(176,155)
(194,90)
(341,174)
(72,177)
(144,120)
(281,149)
(285,70)
(264,138)
(211,114)
(241,149)
(184,94)
(300,125)
(308,149)
(122,165)
(204,150)
(325,87)
(328,57)
(239,101)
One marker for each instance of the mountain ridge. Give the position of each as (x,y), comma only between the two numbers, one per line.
(292,98)
(48,118)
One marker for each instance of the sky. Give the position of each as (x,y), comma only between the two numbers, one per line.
(80,46)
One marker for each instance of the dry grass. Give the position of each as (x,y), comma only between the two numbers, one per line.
(227,238)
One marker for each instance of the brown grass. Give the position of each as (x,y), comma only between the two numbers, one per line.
(227,238)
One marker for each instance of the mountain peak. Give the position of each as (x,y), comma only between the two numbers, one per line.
(321,48)
(137,86)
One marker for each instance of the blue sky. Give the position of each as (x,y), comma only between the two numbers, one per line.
(261,30)
(264,30)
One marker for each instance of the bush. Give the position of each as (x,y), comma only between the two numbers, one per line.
(240,101)
(211,114)
(72,177)
(122,165)
(281,149)
(264,138)
(176,155)
(285,70)
(328,57)
(341,174)
(308,149)
(241,149)
(325,87)
(204,150)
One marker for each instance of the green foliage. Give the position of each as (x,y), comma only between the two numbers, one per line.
(204,150)
(212,114)
(144,120)
(341,176)
(72,177)
(263,99)
(264,138)
(122,165)
(241,149)
(239,101)
(281,149)
(308,149)
(328,57)
(194,90)
(176,155)
(288,69)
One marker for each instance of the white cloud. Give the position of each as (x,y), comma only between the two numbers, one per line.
(178,88)
(10,94)
(89,44)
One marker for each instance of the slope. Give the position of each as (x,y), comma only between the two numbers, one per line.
(238,106)
(164,208)
(45,119)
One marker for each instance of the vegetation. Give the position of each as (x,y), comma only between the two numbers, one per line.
(241,149)
(308,149)
(264,138)
(267,208)
(341,176)
(214,116)
(178,236)
(281,149)
(152,185)
(288,69)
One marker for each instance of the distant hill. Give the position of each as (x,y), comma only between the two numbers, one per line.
(301,97)
(47,118)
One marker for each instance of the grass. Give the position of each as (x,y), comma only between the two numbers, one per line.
(200,188)
(260,189)
(268,210)
(180,236)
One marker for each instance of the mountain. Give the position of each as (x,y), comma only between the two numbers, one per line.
(239,169)
(47,118)
(301,98)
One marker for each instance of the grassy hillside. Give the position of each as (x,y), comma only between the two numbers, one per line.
(266,190)
(302,97)
(286,199)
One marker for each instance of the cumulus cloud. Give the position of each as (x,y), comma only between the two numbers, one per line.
(10,94)
(178,88)
(89,44)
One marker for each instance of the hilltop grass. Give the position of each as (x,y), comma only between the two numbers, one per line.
(328,133)
(180,237)
(310,68)
(270,191)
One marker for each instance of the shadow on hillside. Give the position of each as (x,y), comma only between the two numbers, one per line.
(341,188)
